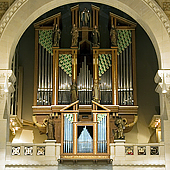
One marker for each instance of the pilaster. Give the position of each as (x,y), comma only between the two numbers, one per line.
(162,78)
(7,80)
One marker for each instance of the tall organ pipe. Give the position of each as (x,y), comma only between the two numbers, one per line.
(127,76)
(39,87)
(130,78)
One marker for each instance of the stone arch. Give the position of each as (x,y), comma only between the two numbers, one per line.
(23,12)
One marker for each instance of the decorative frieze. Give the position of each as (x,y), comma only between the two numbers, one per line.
(159,12)
(154,150)
(40,150)
(129,150)
(141,150)
(28,150)
(16,150)
(8,15)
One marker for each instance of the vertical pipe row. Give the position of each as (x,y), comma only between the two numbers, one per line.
(68,135)
(65,82)
(44,95)
(125,76)
(102,142)
(84,83)
(39,79)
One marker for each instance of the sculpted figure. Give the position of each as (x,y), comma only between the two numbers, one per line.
(96,92)
(50,128)
(96,37)
(119,123)
(74,93)
(85,16)
(113,36)
(56,36)
(75,35)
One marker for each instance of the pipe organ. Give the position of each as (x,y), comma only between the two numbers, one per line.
(45,68)
(105,76)
(125,83)
(64,78)
(84,84)
(85,88)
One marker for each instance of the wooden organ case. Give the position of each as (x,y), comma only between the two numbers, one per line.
(104,81)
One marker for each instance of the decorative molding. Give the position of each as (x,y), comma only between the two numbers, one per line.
(16,150)
(154,150)
(141,150)
(129,150)
(162,78)
(166,6)
(9,13)
(160,13)
(40,150)
(4,6)
(28,150)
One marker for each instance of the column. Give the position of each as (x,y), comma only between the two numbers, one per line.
(162,78)
(7,80)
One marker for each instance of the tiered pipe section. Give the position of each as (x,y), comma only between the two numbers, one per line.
(125,81)
(84,84)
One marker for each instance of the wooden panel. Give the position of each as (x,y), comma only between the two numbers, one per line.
(114,78)
(58,129)
(55,76)
(85,108)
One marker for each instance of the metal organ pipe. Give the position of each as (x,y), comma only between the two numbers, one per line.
(84,83)
(39,79)
(130,77)
(44,77)
(125,76)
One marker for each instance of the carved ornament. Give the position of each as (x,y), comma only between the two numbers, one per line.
(9,13)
